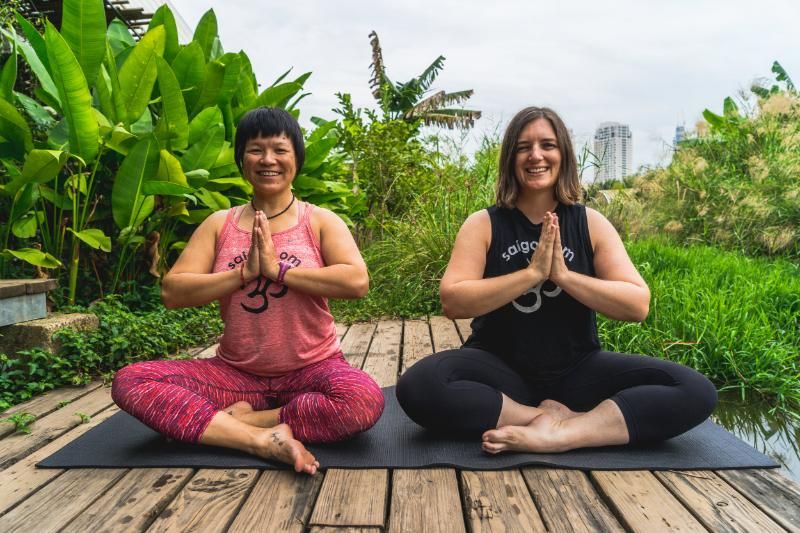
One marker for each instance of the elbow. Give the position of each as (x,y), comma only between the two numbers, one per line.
(640,311)
(359,287)
(449,308)
(167,294)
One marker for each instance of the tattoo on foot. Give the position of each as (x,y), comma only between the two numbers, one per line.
(275,438)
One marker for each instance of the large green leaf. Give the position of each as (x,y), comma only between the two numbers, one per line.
(169,169)
(39,66)
(83,25)
(206,33)
(34,257)
(139,72)
(316,152)
(129,205)
(247,89)
(35,39)
(24,200)
(211,87)
(204,153)
(190,69)
(40,116)
(8,76)
(76,102)
(279,95)
(14,130)
(164,17)
(165,188)
(104,93)
(230,80)
(119,37)
(94,238)
(173,127)
(214,200)
(120,113)
(43,165)
(204,121)
(25,227)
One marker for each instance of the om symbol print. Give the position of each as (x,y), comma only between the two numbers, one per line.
(537,291)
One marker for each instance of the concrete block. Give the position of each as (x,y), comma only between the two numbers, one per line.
(39,333)
(23,308)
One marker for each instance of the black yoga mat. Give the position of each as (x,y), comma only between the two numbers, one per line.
(396,442)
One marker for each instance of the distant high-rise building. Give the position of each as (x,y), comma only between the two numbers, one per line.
(680,134)
(613,146)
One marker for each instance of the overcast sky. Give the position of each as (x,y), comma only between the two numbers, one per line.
(651,65)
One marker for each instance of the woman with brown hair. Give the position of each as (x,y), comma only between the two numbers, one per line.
(533,270)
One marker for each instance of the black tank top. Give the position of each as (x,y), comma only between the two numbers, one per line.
(545,332)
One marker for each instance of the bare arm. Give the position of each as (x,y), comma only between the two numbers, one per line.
(345,274)
(463,290)
(618,291)
(190,282)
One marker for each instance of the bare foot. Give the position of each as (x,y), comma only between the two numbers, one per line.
(244,412)
(558,410)
(543,435)
(278,443)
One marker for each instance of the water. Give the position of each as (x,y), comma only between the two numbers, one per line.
(773,435)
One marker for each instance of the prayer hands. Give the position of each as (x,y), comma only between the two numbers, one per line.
(262,236)
(542,259)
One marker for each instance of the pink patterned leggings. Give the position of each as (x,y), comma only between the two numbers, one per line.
(327,401)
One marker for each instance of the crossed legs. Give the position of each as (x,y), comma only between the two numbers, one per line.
(609,399)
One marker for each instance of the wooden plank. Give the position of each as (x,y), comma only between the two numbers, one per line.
(133,503)
(59,502)
(444,334)
(327,529)
(356,343)
(383,358)
(775,494)
(499,501)
(208,353)
(46,403)
(280,501)
(22,478)
(567,501)
(416,342)
(53,426)
(425,500)
(352,498)
(341,329)
(642,503)
(464,327)
(208,502)
(715,503)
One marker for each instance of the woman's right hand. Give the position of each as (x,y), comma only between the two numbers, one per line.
(542,258)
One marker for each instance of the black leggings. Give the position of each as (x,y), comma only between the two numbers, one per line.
(459,391)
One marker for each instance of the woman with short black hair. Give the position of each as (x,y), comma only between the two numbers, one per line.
(279,378)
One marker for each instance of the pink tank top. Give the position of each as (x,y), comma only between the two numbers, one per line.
(271,329)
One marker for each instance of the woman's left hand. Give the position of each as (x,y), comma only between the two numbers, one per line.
(267,257)
(558,268)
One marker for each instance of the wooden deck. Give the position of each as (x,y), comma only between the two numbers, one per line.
(440,499)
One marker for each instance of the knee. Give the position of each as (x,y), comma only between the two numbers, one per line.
(416,391)
(361,409)
(703,395)
(126,379)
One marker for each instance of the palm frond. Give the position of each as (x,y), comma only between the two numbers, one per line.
(428,76)
(438,100)
(451,118)
(378,79)
(781,75)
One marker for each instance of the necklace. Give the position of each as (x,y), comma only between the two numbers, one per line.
(276,215)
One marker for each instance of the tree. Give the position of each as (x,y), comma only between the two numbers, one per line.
(407,101)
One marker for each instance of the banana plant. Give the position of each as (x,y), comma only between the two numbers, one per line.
(132,139)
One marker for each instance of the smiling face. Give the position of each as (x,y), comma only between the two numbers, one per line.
(269,163)
(537,156)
